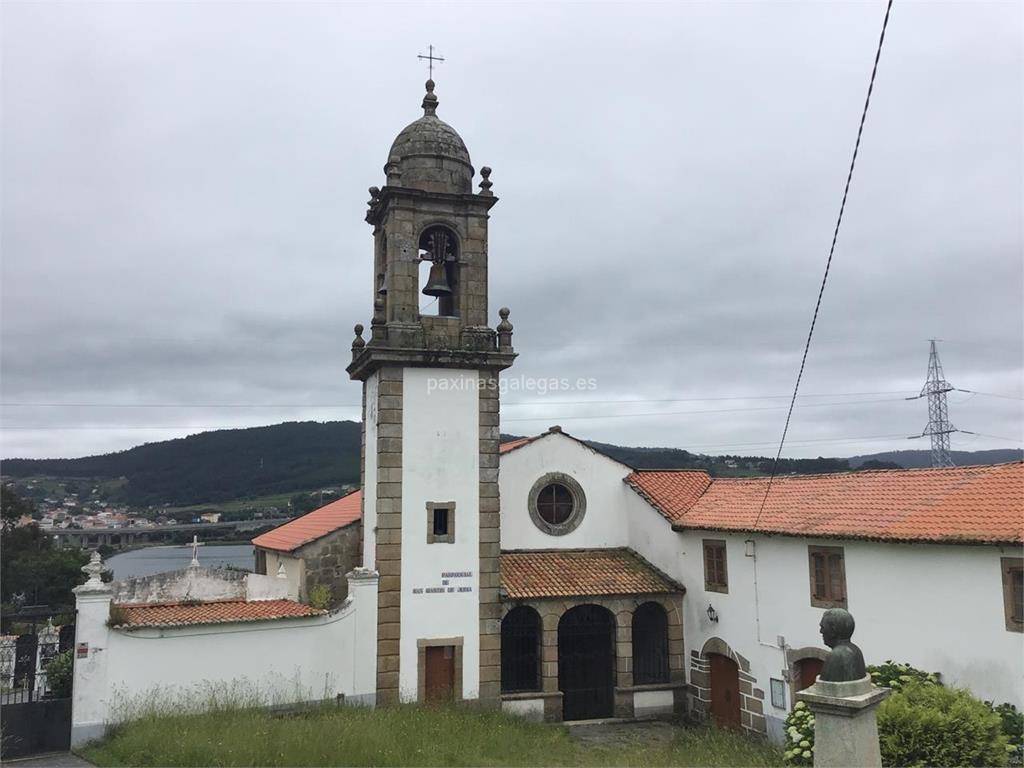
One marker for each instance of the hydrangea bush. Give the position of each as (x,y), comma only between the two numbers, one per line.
(923,723)
(895,676)
(799,748)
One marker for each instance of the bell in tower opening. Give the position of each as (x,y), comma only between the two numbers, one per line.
(437,248)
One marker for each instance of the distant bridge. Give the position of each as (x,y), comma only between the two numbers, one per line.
(126,537)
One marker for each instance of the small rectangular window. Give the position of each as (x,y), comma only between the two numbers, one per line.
(1013,592)
(440,522)
(716,577)
(828,577)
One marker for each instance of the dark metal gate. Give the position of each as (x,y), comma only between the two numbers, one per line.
(36,672)
(586,663)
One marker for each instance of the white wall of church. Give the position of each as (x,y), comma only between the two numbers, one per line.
(939,608)
(182,667)
(370,471)
(605,523)
(440,463)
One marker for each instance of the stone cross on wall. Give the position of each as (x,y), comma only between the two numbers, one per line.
(196,544)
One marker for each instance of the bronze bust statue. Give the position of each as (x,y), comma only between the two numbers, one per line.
(845,662)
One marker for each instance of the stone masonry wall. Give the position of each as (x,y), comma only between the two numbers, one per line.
(490,544)
(329,558)
(389,531)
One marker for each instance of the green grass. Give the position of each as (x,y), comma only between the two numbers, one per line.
(400,736)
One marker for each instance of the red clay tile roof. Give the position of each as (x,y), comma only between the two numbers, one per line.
(671,492)
(580,572)
(214,612)
(511,445)
(981,504)
(313,525)
(330,517)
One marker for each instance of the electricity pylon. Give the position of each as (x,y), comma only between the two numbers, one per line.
(939,428)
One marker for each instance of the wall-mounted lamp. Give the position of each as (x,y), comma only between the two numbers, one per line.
(712,614)
(749,550)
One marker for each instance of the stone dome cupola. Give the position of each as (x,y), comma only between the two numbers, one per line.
(429,154)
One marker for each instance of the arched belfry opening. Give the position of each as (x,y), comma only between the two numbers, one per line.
(439,271)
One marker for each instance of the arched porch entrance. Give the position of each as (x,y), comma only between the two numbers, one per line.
(586,662)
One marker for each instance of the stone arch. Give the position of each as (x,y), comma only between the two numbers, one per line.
(521,633)
(795,657)
(587,660)
(752,717)
(650,644)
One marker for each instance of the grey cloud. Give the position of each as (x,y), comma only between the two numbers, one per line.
(184,187)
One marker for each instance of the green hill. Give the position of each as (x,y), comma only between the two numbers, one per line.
(238,464)
(217,466)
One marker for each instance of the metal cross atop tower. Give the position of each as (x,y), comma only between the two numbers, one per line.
(939,428)
(430,58)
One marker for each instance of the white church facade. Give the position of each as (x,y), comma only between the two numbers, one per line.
(544,577)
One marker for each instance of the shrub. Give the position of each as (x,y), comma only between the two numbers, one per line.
(799,749)
(59,672)
(1013,729)
(925,724)
(895,676)
(320,597)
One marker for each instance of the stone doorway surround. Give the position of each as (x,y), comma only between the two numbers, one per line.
(622,608)
(422,644)
(791,674)
(752,718)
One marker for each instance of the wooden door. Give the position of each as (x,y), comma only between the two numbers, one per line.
(725,691)
(807,672)
(439,675)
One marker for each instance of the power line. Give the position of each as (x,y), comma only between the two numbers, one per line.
(828,262)
(504,403)
(562,417)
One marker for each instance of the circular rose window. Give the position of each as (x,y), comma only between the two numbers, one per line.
(557,503)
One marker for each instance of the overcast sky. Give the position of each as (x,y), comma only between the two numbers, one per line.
(184,186)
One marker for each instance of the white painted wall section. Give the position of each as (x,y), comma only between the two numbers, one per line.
(937,607)
(279,662)
(440,463)
(605,523)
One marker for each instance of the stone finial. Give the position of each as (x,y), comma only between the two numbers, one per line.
(430,100)
(504,330)
(95,570)
(486,183)
(358,343)
(281,572)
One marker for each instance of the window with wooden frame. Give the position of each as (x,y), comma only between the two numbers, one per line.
(440,522)
(716,575)
(828,577)
(1013,592)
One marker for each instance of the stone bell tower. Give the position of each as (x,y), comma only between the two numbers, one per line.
(430,372)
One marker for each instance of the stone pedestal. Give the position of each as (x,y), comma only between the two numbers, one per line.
(845,729)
